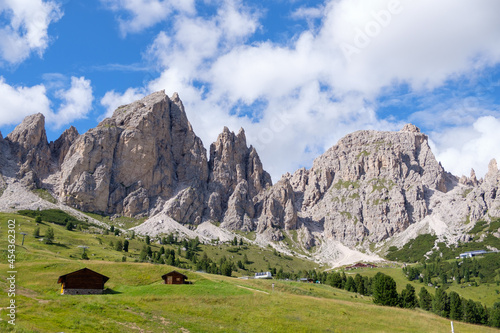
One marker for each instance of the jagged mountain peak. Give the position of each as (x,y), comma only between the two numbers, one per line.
(131,114)
(29,147)
(134,161)
(31,131)
(410,128)
(492,176)
(236,177)
(146,160)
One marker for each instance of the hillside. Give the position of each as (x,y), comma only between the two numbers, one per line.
(370,192)
(136,300)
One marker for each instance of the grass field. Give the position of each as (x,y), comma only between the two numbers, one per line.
(137,301)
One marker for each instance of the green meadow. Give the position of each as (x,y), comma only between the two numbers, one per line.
(137,301)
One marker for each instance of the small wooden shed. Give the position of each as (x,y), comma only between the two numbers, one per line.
(174,277)
(82,282)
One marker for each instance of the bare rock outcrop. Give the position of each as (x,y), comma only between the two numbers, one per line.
(240,209)
(370,185)
(140,156)
(29,146)
(236,177)
(60,147)
(276,207)
(147,160)
(483,200)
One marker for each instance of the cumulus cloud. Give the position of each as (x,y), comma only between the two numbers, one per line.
(326,80)
(26,28)
(19,102)
(461,148)
(142,14)
(76,102)
(112,100)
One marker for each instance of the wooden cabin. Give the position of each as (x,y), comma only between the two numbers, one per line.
(174,277)
(82,282)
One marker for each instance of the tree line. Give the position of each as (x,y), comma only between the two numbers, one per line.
(384,291)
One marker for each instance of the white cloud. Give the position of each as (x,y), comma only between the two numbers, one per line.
(237,21)
(461,148)
(422,43)
(26,31)
(142,14)
(77,102)
(323,92)
(308,13)
(113,100)
(19,102)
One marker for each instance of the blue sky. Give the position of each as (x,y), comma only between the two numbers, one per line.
(296,75)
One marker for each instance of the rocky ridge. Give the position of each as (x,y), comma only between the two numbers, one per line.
(371,188)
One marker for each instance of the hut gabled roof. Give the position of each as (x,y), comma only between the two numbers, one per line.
(173,273)
(83,270)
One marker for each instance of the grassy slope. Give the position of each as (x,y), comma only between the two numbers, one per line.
(484,293)
(139,302)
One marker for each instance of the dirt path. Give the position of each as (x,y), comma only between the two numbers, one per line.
(260,291)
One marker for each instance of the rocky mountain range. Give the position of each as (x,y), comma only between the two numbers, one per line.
(371,188)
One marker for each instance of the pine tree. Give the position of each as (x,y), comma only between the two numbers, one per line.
(350,285)
(495,315)
(49,236)
(125,245)
(36,232)
(226,268)
(441,303)
(408,298)
(119,245)
(425,299)
(360,286)
(144,254)
(384,290)
(455,306)
(148,240)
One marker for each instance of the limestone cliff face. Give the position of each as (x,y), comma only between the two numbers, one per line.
(369,186)
(60,147)
(276,207)
(140,157)
(147,160)
(482,198)
(236,177)
(29,147)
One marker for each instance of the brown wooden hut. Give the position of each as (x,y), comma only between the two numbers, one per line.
(82,282)
(174,277)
